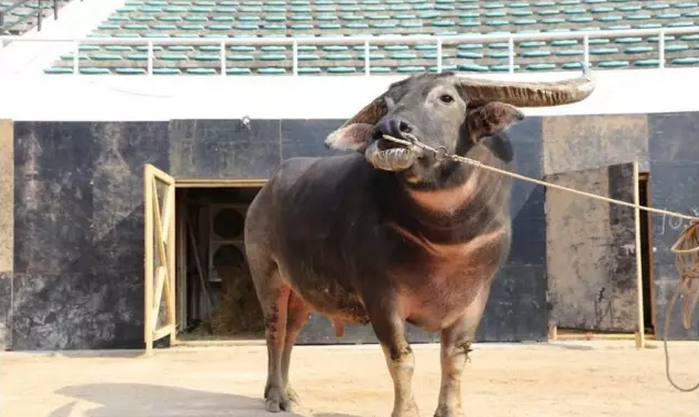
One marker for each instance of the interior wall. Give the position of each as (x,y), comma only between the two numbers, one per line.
(78,214)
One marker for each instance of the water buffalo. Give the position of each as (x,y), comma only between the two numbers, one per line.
(388,234)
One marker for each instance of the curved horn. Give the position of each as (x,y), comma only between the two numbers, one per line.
(393,159)
(528,94)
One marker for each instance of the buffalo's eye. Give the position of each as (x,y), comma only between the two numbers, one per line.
(446,98)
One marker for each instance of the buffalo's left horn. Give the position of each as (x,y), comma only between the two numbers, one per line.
(528,94)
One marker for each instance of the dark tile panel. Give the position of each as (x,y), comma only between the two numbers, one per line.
(53,222)
(307,137)
(527,131)
(57,151)
(516,309)
(76,310)
(82,235)
(673,137)
(225,149)
(5,308)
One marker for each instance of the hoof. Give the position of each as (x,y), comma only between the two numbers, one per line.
(293,396)
(275,401)
(447,412)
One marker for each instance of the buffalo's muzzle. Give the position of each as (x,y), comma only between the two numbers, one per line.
(392,126)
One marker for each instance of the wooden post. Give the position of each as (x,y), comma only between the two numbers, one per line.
(149,321)
(640,333)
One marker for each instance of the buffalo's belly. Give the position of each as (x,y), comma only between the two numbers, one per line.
(329,294)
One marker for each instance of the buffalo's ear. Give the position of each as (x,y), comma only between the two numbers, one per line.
(491,118)
(353,137)
(356,132)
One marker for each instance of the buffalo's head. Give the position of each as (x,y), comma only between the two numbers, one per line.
(444,110)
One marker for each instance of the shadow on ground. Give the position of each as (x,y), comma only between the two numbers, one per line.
(145,400)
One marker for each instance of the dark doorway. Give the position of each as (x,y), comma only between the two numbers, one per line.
(216,297)
(646,256)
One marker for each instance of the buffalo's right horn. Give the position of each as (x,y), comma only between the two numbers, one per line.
(527,94)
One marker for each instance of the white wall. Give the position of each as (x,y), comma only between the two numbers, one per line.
(134,98)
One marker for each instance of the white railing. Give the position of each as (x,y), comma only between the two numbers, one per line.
(440,41)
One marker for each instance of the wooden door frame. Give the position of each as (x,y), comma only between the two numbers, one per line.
(163,229)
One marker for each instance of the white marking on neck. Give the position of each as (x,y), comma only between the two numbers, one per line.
(448,201)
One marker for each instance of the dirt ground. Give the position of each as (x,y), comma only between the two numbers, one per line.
(575,378)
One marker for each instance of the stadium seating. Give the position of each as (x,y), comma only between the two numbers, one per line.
(341,18)
(28,10)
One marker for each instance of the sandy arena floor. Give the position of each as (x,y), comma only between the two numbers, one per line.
(597,378)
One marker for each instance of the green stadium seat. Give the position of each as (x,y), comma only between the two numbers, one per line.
(308,70)
(646,63)
(580,19)
(610,18)
(680,24)
(201,71)
(657,6)
(170,18)
(239,57)
(495,14)
(570,52)
(357,26)
(603,51)
(536,54)
(120,48)
(676,48)
(564,42)
(638,50)
(541,67)
(109,26)
(196,18)
(598,41)
(628,40)
(525,22)
(130,71)
(630,8)
(471,68)
(95,71)
(341,70)
(380,70)
(613,64)
(690,38)
(308,57)
(571,65)
(121,18)
(338,57)
(272,57)
(413,69)
(503,67)
(688,60)
(668,16)
(238,71)
(58,70)
(498,55)
(88,48)
(532,44)
(403,56)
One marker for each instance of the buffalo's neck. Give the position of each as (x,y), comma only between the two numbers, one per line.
(472,202)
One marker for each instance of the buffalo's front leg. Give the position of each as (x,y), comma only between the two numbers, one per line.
(455,347)
(297,316)
(390,330)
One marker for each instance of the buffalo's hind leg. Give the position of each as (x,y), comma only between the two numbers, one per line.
(274,301)
(298,314)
